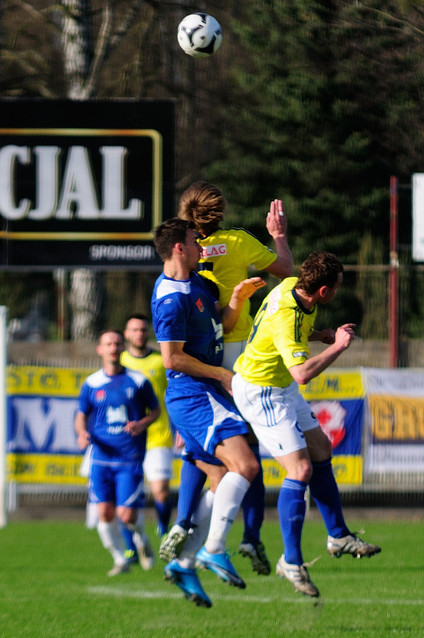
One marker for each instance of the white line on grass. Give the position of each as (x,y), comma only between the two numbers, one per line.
(117,592)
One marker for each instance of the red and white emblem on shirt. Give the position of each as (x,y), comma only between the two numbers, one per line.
(200,305)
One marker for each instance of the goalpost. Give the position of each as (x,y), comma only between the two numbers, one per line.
(3,423)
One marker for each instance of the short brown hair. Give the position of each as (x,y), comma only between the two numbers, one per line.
(319,269)
(114,331)
(203,204)
(170,232)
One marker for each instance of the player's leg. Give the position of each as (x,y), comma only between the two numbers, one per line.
(253,515)
(326,495)
(272,415)
(242,467)
(158,471)
(254,501)
(192,480)
(103,492)
(181,571)
(129,507)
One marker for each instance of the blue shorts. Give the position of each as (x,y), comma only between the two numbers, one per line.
(121,484)
(203,415)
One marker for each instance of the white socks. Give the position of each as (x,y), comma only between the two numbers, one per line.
(228,498)
(111,538)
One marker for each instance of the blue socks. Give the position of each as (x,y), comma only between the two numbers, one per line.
(291,509)
(164,511)
(253,505)
(127,535)
(326,495)
(188,497)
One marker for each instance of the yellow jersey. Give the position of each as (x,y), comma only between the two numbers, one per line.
(226,257)
(159,434)
(279,338)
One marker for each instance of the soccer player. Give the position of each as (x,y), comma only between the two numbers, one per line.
(189,325)
(115,408)
(226,257)
(157,464)
(265,389)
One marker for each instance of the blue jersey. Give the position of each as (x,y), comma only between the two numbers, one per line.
(110,402)
(184,311)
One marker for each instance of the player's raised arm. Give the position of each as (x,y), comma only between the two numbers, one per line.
(276,223)
(309,369)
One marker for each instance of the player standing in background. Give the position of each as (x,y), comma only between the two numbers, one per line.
(265,389)
(157,464)
(120,405)
(189,324)
(226,257)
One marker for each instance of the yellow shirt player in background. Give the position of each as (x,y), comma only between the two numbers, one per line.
(226,257)
(158,461)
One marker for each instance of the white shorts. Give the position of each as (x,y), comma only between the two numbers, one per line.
(157,464)
(232,350)
(278,416)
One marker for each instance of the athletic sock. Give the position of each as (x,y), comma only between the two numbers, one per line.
(291,510)
(200,527)
(253,504)
(192,481)
(228,497)
(164,511)
(326,495)
(127,535)
(111,538)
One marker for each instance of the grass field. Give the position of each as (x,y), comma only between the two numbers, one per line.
(53,584)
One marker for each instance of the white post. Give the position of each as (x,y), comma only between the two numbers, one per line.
(3,423)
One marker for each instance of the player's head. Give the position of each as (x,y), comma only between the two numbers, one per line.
(204,204)
(320,275)
(177,237)
(137,331)
(110,345)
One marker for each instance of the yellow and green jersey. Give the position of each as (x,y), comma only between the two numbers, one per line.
(226,257)
(159,433)
(278,339)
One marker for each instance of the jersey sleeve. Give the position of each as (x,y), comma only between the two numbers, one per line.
(170,319)
(84,402)
(259,255)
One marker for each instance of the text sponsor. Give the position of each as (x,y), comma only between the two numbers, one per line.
(112,252)
(214,251)
(396,419)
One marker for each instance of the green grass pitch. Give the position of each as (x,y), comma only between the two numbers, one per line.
(53,584)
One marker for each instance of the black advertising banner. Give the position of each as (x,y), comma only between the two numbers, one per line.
(84,183)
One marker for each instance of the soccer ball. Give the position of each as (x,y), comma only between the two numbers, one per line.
(199,35)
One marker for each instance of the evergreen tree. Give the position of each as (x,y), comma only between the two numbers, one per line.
(321,116)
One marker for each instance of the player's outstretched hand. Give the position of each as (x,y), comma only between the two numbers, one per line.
(246,288)
(345,335)
(276,220)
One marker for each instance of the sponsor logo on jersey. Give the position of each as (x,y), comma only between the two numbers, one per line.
(100,395)
(214,251)
(200,306)
(296,355)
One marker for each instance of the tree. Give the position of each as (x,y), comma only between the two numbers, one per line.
(321,115)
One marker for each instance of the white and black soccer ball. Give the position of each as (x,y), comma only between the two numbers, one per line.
(199,35)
